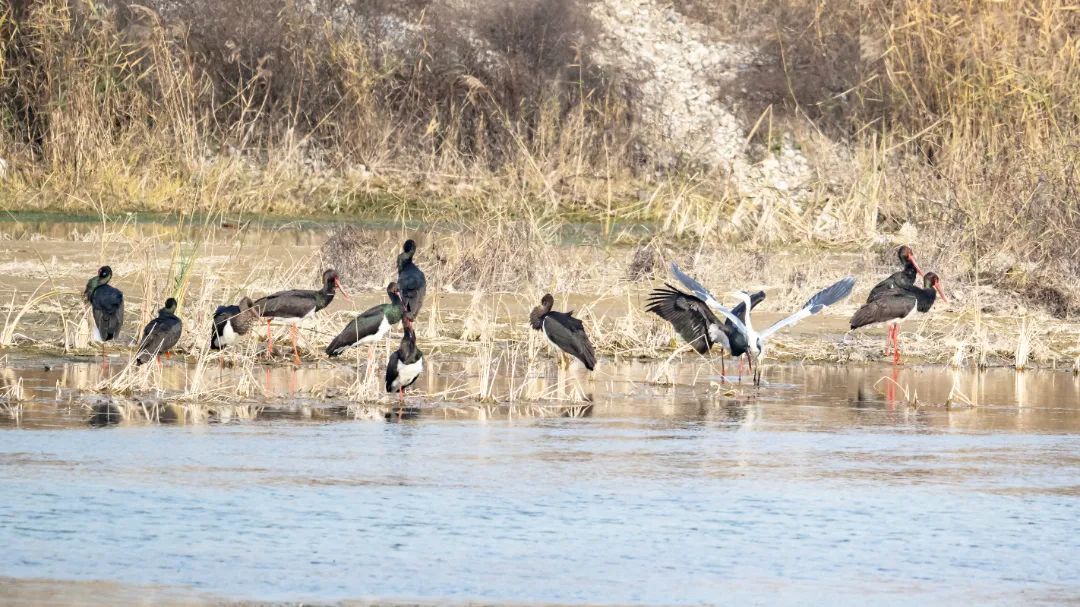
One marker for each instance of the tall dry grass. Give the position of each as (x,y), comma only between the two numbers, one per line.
(274,106)
(957,118)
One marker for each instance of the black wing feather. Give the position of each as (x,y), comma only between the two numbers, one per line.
(159,336)
(413,287)
(568,333)
(358,328)
(287,304)
(688,314)
(108,306)
(830,295)
(892,305)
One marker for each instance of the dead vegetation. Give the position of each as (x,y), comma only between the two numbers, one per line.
(953,120)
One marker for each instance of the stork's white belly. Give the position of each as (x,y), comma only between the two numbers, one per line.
(407,373)
(384,328)
(227,337)
(95,335)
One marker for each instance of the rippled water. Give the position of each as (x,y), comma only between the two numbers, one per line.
(816,488)
(842,484)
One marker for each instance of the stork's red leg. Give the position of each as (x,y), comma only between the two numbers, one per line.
(723,369)
(295,350)
(269,341)
(896,345)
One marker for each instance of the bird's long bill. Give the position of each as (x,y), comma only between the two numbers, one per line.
(337,283)
(937,287)
(918,270)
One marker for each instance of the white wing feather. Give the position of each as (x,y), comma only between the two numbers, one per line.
(825,297)
(702,293)
(787,322)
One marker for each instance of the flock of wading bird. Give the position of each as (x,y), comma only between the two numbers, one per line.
(693,314)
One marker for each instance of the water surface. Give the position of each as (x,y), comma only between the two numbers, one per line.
(815,488)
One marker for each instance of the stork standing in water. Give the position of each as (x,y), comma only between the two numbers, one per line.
(405,365)
(757,341)
(107,303)
(161,334)
(411,282)
(696,323)
(371,326)
(905,277)
(294,306)
(901,279)
(895,305)
(563,331)
(230,322)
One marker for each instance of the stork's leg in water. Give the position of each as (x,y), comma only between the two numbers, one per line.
(269,341)
(723,368)
(740,368)
(368,370)
(295,349)
(896,345)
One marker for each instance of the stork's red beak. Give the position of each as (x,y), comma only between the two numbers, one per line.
(337,283)
(918,270)
(937,287)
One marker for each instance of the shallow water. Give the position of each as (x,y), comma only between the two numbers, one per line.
(253,481)
(816,487)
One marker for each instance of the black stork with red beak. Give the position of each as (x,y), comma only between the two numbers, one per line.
(697,324)
(563,331)
(291,307)
(895,305)
(903,278)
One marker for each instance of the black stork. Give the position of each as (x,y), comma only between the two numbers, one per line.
(563,331)
(160,334)
(895,305)
(371,326)
(230,322)
(107,303)
(411,281)
(696,323)
(297,305)
(405,365)
(904,277)
(756,341)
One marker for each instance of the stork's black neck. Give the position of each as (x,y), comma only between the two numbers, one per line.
(924,297)
(909,271)
(325,295)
